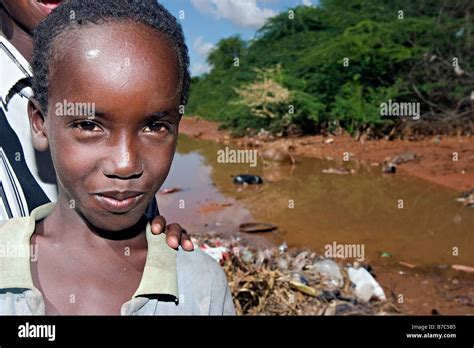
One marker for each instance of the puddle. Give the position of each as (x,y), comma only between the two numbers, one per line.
(362,208)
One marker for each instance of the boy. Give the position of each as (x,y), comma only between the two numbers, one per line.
(27,178)
(126,64)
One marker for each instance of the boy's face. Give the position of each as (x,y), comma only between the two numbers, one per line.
(111,165)
(30,13)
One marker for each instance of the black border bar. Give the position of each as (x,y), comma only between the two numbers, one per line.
(243,330)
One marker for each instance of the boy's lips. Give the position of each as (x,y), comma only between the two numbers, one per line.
(118,201)
(48,5)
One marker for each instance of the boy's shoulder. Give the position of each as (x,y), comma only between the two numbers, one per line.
(15,254)
(20,229)
(200,272)
(198,263)
(203,284)
(15,229)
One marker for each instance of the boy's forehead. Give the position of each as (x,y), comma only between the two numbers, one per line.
(123,56)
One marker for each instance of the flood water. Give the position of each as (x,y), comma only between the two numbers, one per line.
(362,208)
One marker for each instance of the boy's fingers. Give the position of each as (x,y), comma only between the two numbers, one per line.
(186,242)
(158,224)
(173,235)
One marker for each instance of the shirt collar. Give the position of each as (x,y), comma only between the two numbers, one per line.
(159,276)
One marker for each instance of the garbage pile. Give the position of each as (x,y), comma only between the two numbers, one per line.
(278,281)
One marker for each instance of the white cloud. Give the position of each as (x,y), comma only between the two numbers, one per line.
(307,3)
(244,13)
(203,5)
(202,48)
(199,68)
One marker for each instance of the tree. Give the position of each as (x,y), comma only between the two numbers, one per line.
(223,56)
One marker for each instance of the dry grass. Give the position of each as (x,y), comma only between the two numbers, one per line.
(263,282)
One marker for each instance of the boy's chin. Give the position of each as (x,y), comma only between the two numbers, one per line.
(116,222)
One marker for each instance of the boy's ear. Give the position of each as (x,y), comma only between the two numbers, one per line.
(37,126)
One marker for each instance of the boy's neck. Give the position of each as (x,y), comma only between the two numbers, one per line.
(65,225)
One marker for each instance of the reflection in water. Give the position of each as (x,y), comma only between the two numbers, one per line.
(362,208)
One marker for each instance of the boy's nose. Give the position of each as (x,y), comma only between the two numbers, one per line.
(123,161)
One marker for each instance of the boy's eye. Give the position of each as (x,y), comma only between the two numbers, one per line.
(87,126)
(157,127)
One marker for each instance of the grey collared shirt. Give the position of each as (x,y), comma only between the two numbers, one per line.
(173,282)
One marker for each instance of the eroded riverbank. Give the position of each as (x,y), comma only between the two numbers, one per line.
(445,161)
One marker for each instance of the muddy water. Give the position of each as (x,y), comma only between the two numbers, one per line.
(364,208)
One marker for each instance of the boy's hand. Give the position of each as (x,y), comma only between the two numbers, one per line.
(174,233)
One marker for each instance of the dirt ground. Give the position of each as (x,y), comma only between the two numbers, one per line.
(446,161)
(427,291)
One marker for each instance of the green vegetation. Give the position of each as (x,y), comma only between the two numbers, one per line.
(330,68)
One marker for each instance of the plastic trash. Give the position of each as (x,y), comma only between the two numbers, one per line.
(247,179)
(329,270)
(305,289)
(366,286)
(283,247)
(339,171)
(463,268)
(467,198)
(169,190)
(220,253)
(301,260)
(247,256)
(297,277)
(326,295)
(282,263)
(389,168)
(263,256)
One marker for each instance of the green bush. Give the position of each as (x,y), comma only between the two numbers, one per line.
(409,59)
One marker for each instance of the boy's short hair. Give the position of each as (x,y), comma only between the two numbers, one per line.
(74,13)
